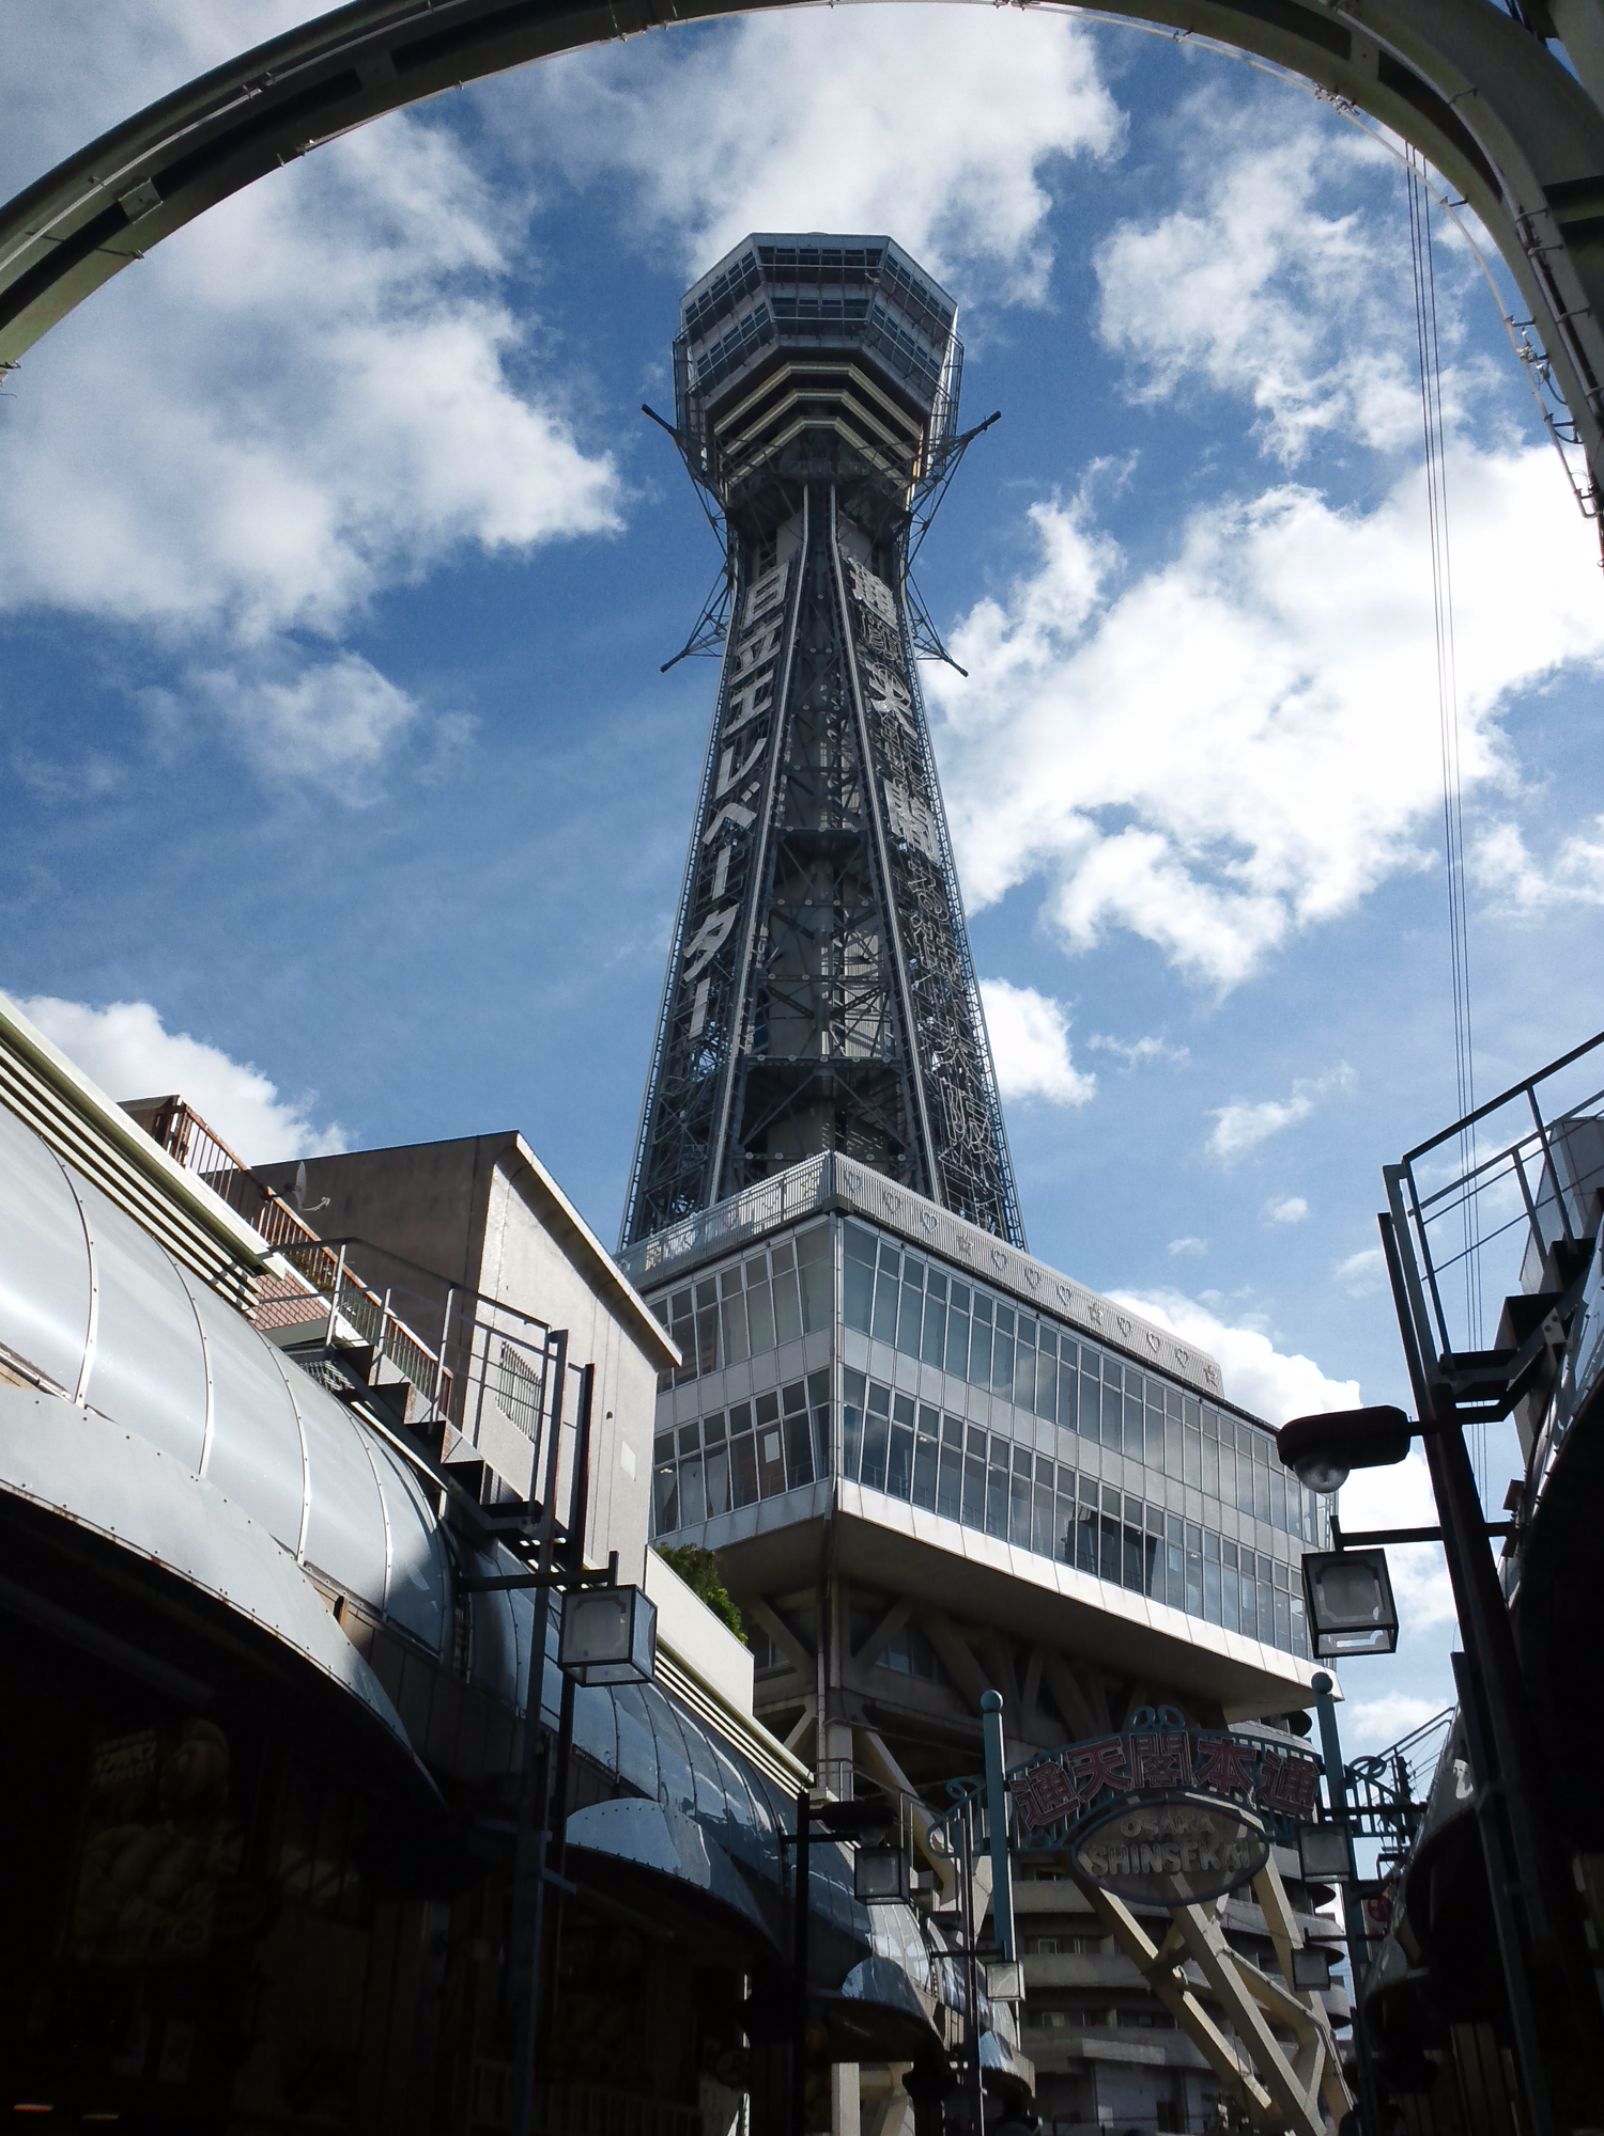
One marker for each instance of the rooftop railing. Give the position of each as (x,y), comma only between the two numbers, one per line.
(316,1282)
(1485,1202)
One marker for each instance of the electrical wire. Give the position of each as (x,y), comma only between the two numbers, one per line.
(1428,352)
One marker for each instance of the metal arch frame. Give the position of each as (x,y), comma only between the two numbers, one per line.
(1473,88)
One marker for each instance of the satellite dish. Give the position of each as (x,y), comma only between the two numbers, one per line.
(298,1192)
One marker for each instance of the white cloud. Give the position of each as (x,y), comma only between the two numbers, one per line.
(334,720)
(1512,881)
(1373,1724)
(1361,1273)
(1288,1209)
(1188,1248)
(1242,1126)
(1271,284)
(1273,1384)
(1029,1035)
(319,389)
(126,1049)
(1401,1497)
(1240,741)
(1140,1052)
(936,125)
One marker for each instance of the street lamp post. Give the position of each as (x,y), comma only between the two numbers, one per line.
(852,1821)
(1541,1946)
(1337,1792)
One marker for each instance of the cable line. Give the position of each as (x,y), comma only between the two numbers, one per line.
(1428,351)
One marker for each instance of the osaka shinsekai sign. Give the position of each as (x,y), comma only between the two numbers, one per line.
(1161,1810)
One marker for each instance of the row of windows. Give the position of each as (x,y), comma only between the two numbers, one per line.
(781,1440)
(906,356)
(919,298)
(752,1450)
(726,356)
(773,1296)
(898,1297)
(1142,2017)
(948,1466)
(725,290)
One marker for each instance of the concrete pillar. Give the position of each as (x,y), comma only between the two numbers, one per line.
(844,2115)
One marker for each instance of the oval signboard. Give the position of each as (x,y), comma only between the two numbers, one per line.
(1171,1849)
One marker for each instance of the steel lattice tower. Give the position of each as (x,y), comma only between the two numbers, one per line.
(820,992)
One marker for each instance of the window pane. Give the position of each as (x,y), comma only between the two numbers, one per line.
(876,1437)
(887,1292)
(815,1289)
(1044,1537)
(743,1470)
(1086,1528)
(798,1449)
(1194,1570)
(760,1313)
(958,1335)
(1211,1466)
(787,1303)
(1133,1426)
(732,1312)
(949,1481)
(770,1461)
(925,1458)
(899,1465)
(933,1345)
(997,1490)
(1193,1455)
(1047,1383)
(1002,1365)
(974,1508)
(1019,1501)
(980,1348)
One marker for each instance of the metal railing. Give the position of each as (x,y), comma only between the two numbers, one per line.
(1387,1791)
(1480,1227)
(334,1293)
(798,1192)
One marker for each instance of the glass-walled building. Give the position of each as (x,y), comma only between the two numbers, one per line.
(833,1359)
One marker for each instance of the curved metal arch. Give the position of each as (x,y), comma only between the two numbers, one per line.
(1476,91)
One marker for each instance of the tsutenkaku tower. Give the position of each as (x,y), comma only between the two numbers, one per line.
(820,993)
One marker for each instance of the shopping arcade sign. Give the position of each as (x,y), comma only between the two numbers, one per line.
(1160,1811)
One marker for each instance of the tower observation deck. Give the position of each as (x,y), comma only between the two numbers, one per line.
(820,993)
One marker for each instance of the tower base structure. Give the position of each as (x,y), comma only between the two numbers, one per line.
(931,1466)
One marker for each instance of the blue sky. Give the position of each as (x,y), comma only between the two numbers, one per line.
(342,790)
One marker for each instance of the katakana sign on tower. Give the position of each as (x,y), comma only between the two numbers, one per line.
(820,993)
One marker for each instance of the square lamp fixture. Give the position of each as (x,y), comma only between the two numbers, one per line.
(1351,1610)
(880,1874)
(1323,1856)
(609,1636)
(1311,1966)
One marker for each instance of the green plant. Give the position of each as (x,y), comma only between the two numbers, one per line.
(698,1568)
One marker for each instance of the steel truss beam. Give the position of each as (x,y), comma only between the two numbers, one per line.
(1475,89)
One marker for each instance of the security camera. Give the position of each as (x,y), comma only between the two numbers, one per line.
(1323,1450)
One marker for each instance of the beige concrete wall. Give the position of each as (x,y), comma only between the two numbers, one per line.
(525,1261)
(482,1215)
